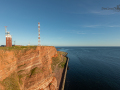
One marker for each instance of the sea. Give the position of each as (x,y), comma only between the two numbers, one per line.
(92,68)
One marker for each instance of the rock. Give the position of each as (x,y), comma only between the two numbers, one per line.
(32,67)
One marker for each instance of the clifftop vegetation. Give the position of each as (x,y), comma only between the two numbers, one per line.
(18,47)
(60,60)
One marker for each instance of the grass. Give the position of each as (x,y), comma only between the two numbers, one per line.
(21,76)
(32,72)
(20,71)
(62,53)
(17,48)
(21,65)
(63,63)
(11,82)
(50,83)
(35,71)
(20,81)
(55,60)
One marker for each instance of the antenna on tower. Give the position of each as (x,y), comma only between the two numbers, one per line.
(38,33)
(5,30)
(14,42)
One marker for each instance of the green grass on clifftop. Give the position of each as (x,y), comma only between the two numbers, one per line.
(17,48)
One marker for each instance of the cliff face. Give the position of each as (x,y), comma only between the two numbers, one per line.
(27,70)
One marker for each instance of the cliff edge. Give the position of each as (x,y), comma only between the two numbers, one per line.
(28,69)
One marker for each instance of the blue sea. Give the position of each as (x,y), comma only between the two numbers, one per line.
(92,68)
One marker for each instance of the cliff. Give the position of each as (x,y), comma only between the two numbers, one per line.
(27,69)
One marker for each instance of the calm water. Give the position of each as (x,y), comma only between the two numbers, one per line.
(93,68)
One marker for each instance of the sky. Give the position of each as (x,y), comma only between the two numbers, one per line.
(62,22)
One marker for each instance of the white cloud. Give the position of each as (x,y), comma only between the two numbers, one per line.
(96,26)
(98,12)
(114,26)
(103,12)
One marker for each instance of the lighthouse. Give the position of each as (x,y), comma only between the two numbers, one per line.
(8,38)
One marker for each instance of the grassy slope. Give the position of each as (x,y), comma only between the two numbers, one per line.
(11,82)
(56,60)
(17,48)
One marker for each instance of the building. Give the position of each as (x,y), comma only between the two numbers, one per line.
(8,40)
(3,46)
(29,44)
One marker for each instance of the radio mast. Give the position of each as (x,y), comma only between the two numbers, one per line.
(5,30)
(39,34)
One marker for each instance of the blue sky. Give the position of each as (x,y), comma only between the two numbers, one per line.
(63,22)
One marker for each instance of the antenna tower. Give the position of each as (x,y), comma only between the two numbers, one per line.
(5,30)
(38,33)
(14,42)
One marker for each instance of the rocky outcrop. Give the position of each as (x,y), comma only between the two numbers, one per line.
(29,69)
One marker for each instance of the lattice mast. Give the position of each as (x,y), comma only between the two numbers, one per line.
(5,30)
(39,34)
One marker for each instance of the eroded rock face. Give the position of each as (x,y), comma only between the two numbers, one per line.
(7,63)
(2,87)
(53,84)
(32,67)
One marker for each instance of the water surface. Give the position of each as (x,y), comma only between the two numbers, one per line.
(93,68)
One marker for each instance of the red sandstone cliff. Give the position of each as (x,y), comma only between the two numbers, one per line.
(28,70)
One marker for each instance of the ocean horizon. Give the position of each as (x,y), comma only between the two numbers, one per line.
(92,68)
